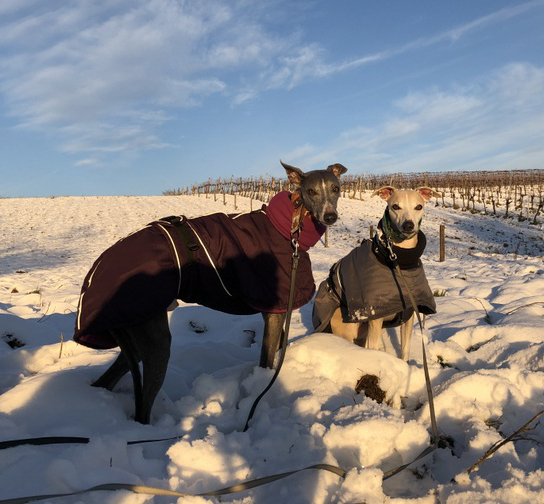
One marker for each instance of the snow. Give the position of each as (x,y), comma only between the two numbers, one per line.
(485,351)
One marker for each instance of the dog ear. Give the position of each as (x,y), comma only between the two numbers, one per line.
(428,193)
(337,169)
(294,174)
(384,192)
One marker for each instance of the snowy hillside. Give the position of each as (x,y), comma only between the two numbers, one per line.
(485,349)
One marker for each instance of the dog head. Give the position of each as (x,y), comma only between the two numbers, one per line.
(406,207)
(319,190)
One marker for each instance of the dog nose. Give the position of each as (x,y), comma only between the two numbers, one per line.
(330,218)
(408,226)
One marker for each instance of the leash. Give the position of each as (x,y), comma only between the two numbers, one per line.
(284,333)
(297,219)
(148,490)
(247,485)
(49,440)
(434,425)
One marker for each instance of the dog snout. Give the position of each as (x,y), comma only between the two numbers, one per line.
(330,218)
(408,226)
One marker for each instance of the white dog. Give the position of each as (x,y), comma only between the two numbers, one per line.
(364,292)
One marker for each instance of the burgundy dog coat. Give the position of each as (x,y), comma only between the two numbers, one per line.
(238,264)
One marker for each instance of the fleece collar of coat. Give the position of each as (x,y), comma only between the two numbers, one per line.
(280,210)
(408,258)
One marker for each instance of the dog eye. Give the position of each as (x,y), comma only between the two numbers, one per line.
(312,192)
(396,207)
(335,189)
(419,207)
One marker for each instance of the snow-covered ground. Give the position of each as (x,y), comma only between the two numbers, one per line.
(486,358)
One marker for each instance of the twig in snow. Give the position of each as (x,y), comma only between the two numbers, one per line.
(44,316)
(523,306)
(512,437)
(61,344)
(487,318)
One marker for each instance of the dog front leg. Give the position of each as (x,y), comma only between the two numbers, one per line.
(374,334)
(406,330)
(273,329)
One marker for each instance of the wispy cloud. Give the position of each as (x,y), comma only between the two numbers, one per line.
(495,123)
(85,68)
(308,63)
(86,162)
(316,68)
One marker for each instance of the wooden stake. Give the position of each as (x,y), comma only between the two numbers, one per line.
(442,242)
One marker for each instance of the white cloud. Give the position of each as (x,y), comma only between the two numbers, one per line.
(105,75)
(86,162)
(520,84)
(81,67)
(495,123)
(109,138)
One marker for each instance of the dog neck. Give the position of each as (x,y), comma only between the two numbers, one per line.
(299,214)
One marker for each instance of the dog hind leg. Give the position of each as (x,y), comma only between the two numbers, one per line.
(155,362)
(273,329)
(148,342)
(347,330)
(362,335)
(113,374)
(123,337)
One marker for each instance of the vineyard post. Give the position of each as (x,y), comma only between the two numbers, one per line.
(442,242)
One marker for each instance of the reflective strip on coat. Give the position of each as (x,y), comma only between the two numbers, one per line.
(238,264)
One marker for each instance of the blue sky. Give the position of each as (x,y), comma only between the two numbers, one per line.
(134,97)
